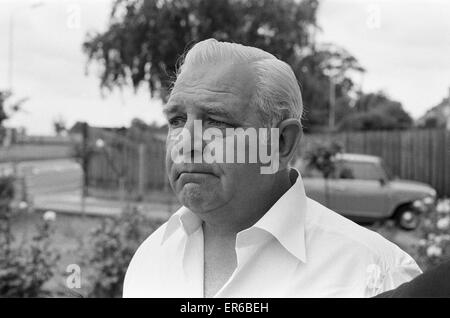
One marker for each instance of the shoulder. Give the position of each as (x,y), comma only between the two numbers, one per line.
(333,230)
(363,256)
(150,246)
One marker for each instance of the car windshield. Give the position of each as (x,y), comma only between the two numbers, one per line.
(360,170)
(387,170)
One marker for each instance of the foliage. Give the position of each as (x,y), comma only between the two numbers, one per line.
(112,246)
(3,115)
(321,157)
(142,132)
(5,104)
(145,40)
(436,117)
(6,193)
(59,125)
(375,111)
(7,108)
(24,267)
(434,247)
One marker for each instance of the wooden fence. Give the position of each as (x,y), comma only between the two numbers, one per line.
(139,165)
(421,155)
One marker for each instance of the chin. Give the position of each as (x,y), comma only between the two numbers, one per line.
(196,198)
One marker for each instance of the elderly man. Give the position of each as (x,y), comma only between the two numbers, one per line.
(242,231)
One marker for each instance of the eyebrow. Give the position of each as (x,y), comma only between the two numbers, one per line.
(214,111)
(219,111)
(170,109)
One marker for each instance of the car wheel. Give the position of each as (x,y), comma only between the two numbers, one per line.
(408,218)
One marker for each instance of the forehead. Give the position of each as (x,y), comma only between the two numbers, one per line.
(228,86)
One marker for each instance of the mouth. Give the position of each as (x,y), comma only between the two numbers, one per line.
(194,173)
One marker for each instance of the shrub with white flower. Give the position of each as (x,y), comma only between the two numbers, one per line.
(443,206)
(49,216)
(23,205)
(25,267)
(434,246)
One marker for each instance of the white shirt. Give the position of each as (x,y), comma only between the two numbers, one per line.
(299,248)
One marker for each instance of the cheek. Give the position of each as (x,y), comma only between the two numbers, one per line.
(239,176)
(168,158)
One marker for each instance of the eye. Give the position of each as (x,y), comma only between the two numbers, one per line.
(218,123)
(177,121)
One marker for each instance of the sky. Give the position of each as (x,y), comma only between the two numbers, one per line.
(404,46)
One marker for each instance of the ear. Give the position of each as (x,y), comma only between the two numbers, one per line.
(290,134)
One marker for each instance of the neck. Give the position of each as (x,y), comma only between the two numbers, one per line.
(230,220)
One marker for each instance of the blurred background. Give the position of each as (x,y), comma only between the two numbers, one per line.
(82,84)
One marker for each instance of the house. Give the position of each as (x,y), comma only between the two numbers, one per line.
(438,116)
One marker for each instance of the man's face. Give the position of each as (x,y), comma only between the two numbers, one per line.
(219,96)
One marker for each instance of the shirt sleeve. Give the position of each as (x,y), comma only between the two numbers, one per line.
(402,271)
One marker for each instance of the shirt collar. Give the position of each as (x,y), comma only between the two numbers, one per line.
(184,218)
(285,220)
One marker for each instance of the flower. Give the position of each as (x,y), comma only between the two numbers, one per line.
(49,216)
(443,223)
(23,205)
(100,143)
(438,239)
(434,251)
(443,206)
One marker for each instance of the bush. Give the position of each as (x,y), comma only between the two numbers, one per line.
(6,193)
(434,246)
(26,268)
(114,243)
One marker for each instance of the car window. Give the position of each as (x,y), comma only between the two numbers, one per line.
(359,170)
(387,171)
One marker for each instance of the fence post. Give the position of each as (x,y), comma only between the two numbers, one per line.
(85,159)
(142,172)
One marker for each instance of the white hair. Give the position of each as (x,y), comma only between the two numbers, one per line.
(277,94)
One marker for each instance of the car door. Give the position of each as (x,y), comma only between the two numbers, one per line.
(358,191)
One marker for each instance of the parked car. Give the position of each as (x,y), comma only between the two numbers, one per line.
(362,189)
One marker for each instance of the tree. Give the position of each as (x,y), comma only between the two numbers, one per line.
(7,108)
(327,62)
(5,104)
(59,125)
(145,40)
(376,111)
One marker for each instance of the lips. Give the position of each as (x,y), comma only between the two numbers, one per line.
(198,171)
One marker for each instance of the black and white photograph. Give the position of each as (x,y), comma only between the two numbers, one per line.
(237,150)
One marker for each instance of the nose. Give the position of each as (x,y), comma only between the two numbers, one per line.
(194,131)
